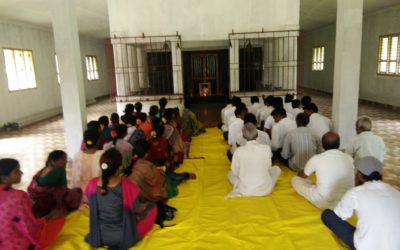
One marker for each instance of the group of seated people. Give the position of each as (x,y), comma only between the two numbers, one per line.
(348,180)
(124,172)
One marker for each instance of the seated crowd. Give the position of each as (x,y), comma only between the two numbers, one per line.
(302,139)
(124,172)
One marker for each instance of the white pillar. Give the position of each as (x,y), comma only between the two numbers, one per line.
(66,39)
(121,69)
(142,67)
(177,68)
(133,69)
(234,65)
(347,68)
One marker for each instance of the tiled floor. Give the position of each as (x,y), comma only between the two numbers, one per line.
(30,145)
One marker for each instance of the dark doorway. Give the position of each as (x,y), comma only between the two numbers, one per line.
(206,74)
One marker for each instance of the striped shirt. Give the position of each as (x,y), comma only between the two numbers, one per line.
(299,146)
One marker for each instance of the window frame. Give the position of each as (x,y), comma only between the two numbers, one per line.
(90,71)
(33,69)
(388,60)
(316,62)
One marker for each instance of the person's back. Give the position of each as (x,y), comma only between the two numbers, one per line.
(377,205)
(335,174)
(280,129)
(299,146)
(253,161)
(319,124)
(367,144)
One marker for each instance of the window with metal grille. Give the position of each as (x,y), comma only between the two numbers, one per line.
(91,68)
(318,57)
(19,68)
(389,55)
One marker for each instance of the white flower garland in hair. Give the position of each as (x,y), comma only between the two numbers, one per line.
(104,166)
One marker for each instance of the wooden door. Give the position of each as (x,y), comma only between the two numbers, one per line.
(204,69)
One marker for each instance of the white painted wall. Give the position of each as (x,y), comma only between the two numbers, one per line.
(31,105)
(201,20)
(373,87)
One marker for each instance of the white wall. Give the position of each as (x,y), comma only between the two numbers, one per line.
(373,87)
(30,105)
(201,20)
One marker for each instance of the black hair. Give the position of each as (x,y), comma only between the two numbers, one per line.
(129,108)
(120,131)
(130,119)
(141,116)
(7,165)
(312,107)
(95,125)
(240,108)
(153,110)
(163,103)
(168,114)
(279,111)
(296,103)
(103,120)
(236,101)
(374,176)
(302,120)
(305,100)
(250,118)
(138,107)
(187,104)
(332,143)
(278,102)
(114,118)
(269,100)
(289,98)
(176,112)
(140,148)
(254,99)
(159,129)
(112,158)
(156,122)
(91,138)
(55,155)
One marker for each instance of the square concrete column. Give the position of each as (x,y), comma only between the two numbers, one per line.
(234,65)
(133,69)
(121,69)
(177,68)
(347,68)
(142,67)
(66,39)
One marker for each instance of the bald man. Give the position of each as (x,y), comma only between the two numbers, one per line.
(334,172)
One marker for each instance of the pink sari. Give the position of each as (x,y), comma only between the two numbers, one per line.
(18,226)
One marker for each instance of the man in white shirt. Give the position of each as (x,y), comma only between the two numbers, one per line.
(235,128)
(377,206)
(229,115)
(288,103)
(299,144)
(262,137)
(255,105)
(318,124)
(265,111)
(366,143)
(224,122)
(251,172)
(296,108)
(279,130)
(334,171)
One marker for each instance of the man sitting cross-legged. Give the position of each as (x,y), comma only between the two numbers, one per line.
(299,144)
(334,171)
(376,205)
(251,172)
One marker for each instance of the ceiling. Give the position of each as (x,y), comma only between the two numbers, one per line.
(93,15)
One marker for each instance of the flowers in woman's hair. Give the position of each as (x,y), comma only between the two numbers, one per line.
(103,191)
(89,142)
(134,157)
(164,120)
(138,121)
(104,166)
(113,134)
(153,134)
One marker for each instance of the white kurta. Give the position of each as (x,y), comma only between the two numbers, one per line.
(279,132)
(367,144)
(319,125)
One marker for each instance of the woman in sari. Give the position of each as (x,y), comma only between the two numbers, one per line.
(48,189)
(19,228)
(173,137)
(85,163)
(190,125)
(124,147)
(117,219)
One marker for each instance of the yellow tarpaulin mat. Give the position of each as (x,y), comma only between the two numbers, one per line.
(205,220)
